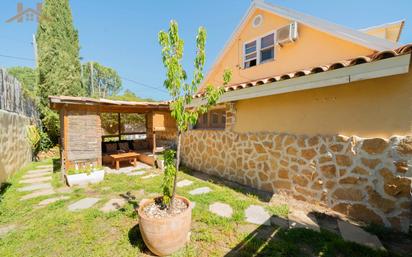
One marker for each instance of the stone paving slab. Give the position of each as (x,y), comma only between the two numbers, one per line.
(37,175)
(53,200)
(136,173)
(184,183)
(257,215)
(280,222)
(39,171)
(113,205)
(64,190)
(82,204)
(4,230)
(221,209)
(33,187)
(200,190)
(38,193)
(45,166)
(356,234)
(150,176)
(300,219)
(35,180)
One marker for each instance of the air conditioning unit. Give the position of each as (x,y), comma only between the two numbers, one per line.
(287,34)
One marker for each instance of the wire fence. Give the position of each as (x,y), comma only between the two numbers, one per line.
(12,98)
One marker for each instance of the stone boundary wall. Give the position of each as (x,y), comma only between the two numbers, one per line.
(366,179)
(16,113)
(15,151)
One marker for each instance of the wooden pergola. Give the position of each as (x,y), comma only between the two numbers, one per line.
(80,125)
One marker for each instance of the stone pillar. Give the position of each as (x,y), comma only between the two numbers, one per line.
(230,116)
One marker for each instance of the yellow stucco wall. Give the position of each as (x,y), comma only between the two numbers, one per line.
(313,48)
(372,108)
(391,32)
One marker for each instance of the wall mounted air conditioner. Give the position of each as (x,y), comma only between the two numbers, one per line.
(287,34)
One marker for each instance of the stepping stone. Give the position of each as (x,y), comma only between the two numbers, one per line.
(39,171)
(193,205)
(45,166)
(150,176)
(184,183)
(221,209)
(257,215)
(279,221)
(44,174)
(113,205)
(6,229)
(136,173)
(33,187)
(200,190)
(64,190)
(35,180)
(355,234)
(82,204)
(38,193)
(300,219)
(53,200)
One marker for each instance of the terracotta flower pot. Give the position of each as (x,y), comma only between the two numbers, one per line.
(167,235)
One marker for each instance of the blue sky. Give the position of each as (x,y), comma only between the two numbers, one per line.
(123,34)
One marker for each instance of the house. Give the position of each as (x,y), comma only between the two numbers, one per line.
(315,111)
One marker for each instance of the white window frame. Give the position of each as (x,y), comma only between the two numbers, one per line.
(258,50)
(274,47)
(244,53)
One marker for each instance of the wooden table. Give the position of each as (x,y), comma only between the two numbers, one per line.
(117,158)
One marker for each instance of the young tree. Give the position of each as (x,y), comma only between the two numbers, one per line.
(182,93)
(58,59)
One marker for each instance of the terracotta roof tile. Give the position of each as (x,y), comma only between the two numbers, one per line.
(405,49)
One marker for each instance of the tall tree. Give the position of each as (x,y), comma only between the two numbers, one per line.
(58,59)
(27,78)
(100,81)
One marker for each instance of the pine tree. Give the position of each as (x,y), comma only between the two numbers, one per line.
(58,59)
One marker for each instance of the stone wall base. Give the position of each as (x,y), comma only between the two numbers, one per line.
(366,179)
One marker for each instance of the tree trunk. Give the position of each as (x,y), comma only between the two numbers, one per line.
(179,134)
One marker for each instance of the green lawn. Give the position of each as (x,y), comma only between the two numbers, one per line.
(54,231)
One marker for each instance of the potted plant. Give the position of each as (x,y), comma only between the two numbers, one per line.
(165,221)
(86,175)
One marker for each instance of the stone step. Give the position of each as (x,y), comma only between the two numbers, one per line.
(34,187)
(184,183)
(35,180)
(113,205)
(39,171)
(52,200)
(44,174)
(221,209)
(300,219)
(38,194)
(200,191)
(356,234)
(257,215)
(82,204)
(136,173)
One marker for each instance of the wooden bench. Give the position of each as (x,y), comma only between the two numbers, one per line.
(117,158)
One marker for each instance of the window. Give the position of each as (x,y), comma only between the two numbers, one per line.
(214,119)
(250,55)
(259,51)
(267,48)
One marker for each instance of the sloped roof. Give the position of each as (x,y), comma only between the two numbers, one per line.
(406,49)
(342,32)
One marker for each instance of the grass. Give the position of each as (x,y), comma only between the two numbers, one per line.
(53,231)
